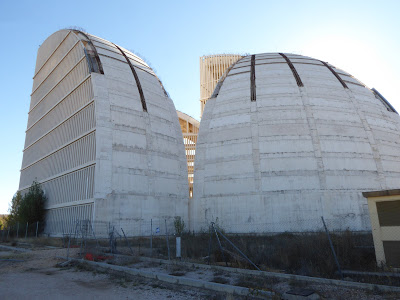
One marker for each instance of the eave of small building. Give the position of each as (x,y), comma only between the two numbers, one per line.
(188,118)
(382,193)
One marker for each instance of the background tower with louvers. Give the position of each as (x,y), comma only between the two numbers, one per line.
(190,129)
(212,68)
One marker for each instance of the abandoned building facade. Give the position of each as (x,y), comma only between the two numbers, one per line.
(103,136)
(286,139)
(283,138)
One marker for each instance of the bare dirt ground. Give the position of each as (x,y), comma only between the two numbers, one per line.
(37,277)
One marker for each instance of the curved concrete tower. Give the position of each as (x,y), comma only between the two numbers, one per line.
(286,139)
(103,136)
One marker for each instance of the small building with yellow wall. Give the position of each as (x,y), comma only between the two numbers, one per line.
(384,210)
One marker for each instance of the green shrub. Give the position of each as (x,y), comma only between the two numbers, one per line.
(29,208)
(179,225)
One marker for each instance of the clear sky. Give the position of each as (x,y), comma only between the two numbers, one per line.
(360,37)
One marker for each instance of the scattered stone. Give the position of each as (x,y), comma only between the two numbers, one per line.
(63,264)
(299,294)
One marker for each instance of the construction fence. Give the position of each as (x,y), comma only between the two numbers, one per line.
(323,251)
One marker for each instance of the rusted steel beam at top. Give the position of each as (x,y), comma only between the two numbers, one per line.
(221,80)
(336,74)
(383,99)
(96,55)
(295,74)
(139,86)
(253,78)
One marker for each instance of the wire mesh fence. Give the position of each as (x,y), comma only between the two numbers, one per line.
(21,230)
(325,248)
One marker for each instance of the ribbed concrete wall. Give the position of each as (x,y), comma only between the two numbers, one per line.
(289,140)
(60,147)
(103,136)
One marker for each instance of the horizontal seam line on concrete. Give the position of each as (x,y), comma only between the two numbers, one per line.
(58,46)
(113,46)
(127,63)
(59,148)
(76,112)
(62,99)
(72,203)
(55,67)
(80,167)
(130,57)
(238,73)
(83,57)
(354,83)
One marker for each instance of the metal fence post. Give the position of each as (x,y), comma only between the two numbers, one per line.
(238,250)
(178,247)
(94,235)
(166,234)
(333,249)
(219,243)
(209,246)
(127,242)
(37,227)
(8,233)
(151,237)
(80,234)
(69,243)
(111,237)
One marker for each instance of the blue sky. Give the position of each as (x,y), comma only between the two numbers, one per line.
(360,37)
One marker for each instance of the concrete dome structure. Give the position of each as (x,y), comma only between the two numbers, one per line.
(103,136)
(286,139)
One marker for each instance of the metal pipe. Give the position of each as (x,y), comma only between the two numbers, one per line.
(69,243)
(219,243)
(209,247)
(384,100)
(151,238)
(127,242)
(166,233)
(237,249)
(253,78)
(333,250)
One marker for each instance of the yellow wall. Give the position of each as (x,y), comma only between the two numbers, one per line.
(382,233)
